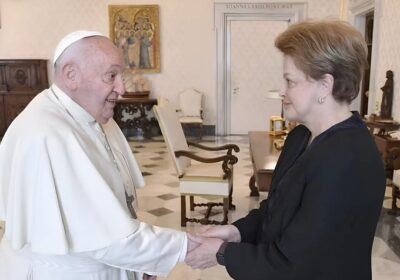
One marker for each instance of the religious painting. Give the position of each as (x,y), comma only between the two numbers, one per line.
(135,30)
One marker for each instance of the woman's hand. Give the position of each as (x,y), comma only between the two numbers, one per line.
(204,256)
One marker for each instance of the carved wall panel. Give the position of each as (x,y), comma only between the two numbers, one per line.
(20,81)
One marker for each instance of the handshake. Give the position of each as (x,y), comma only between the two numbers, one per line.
(205,243)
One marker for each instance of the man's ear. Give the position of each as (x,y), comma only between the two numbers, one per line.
(327,83)
(70,76)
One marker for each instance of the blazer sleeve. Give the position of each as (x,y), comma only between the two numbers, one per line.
(249,226)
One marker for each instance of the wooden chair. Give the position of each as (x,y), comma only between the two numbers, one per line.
(208,177)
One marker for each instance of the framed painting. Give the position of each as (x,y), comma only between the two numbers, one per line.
(135,29)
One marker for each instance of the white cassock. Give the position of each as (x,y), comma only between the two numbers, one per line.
(62,195)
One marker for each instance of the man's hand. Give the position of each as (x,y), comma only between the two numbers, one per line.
(192,243)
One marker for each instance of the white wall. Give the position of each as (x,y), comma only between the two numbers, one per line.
(32,28)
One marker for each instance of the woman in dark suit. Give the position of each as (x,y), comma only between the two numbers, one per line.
(319,219)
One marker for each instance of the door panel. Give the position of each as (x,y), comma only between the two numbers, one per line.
(2,117)
(256,68)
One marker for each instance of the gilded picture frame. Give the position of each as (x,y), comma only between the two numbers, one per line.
(135,29)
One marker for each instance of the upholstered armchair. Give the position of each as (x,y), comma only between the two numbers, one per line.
(198,176)
(191,110)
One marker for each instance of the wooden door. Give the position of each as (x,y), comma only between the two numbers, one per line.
(256,68)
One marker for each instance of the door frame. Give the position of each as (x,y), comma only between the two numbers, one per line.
(359,10)
(224,13)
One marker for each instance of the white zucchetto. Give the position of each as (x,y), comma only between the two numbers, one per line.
(71,38)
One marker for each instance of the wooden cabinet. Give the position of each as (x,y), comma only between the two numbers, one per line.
(384,145)
(136,113)
(2,116)
(389,149)
(20,81)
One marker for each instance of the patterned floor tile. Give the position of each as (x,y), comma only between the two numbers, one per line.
(149,165)
(156,158)
(139,146)
(167,196)
(173,184)
(160,211)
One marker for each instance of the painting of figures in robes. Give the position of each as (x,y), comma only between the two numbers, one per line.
(135,30)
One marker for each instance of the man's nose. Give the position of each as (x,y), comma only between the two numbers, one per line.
(119,87)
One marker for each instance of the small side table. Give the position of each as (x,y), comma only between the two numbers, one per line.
(384,126)
(137,108)
(264,156)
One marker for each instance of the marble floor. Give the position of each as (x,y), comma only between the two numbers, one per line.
(159,204)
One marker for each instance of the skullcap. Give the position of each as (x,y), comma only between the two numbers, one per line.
(72,38)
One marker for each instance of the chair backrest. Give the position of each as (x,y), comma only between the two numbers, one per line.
(161,101)
(174,138)
(190,103)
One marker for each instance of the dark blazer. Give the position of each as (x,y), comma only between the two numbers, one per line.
(319,219)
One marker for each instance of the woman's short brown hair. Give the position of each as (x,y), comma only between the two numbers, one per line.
(327,47)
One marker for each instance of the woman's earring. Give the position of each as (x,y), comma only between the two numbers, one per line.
(321,99)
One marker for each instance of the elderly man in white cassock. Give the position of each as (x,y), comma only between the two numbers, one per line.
(66,172)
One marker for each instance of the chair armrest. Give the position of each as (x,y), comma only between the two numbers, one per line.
(226,160)
(228,147)
(230,158)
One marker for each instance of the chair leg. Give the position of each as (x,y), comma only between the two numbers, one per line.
(231,205)
(252,186)
(226,209)
(395,195)
(201,131)
(205,220)
(191,200)
(183,211)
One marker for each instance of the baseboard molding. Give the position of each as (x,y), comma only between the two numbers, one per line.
(208,130)
(193,131)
